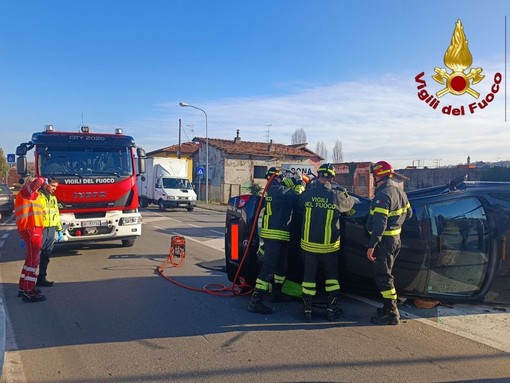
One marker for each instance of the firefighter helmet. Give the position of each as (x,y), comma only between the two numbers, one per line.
(326,170)
(272,170)
(382,169)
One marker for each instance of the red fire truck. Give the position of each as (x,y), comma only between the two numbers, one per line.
(97,193)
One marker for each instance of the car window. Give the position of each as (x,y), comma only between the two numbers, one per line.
(4,189)
(459,262)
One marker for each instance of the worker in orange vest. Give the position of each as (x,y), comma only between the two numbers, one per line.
(30,221)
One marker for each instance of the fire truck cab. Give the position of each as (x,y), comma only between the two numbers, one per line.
(97,193)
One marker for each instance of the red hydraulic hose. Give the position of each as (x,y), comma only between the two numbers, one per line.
(238,289)
(218,289)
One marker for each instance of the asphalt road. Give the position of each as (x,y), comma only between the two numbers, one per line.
(112,318)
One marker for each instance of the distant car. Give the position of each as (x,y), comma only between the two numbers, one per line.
(6,200)
(456,247)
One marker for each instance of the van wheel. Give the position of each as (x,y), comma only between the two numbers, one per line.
(189,208)
(161,205)
(144,202)
(128,242)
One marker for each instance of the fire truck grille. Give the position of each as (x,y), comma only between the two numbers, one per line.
(98,214)
(95,205)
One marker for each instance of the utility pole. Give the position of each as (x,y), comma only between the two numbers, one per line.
(267,133)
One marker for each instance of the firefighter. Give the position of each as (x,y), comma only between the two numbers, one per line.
(29,215)
(281,198)
(320,238)
(52,228)
(389,209)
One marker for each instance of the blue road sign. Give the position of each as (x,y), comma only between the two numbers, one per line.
(200,171)
(10,158)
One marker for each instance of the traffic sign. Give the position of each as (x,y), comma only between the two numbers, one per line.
(200,171)
(10,159)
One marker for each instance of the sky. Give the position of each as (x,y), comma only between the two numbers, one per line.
(341,70)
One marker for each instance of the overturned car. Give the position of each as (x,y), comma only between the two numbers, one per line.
(453,249)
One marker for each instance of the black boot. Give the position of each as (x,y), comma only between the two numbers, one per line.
(20,292)
(277,296)
(332,310)
(388,315)
(43,282)
(307,307)
(257,305)
(387,306)
(32,296)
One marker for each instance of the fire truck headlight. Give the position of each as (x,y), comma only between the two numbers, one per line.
(126,221)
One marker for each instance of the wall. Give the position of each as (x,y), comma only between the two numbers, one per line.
(239,173)
(423,178)
(355,177)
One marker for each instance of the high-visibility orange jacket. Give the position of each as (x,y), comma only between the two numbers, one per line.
(29,213)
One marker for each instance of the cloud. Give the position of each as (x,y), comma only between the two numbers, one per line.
(374,118)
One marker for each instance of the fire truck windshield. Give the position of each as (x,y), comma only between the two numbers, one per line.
(84,161)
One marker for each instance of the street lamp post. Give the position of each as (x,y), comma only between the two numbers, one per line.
(185,104)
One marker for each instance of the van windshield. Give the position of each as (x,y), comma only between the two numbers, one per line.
(176,183)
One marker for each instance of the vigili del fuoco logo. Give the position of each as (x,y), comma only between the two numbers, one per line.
(460,79)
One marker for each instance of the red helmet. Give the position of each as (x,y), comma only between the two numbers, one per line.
(382,169)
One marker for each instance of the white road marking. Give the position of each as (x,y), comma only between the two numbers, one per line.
(160,218)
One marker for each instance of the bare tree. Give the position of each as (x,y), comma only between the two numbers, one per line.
(299,136)
(321,150)
(338,153)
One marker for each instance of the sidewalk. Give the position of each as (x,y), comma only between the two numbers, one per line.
(216,206)
(2,335)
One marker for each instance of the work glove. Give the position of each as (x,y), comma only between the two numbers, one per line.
(300,187)
(60,236)
(22,243)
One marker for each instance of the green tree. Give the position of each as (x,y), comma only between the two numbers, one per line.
(254,188)
(4,167)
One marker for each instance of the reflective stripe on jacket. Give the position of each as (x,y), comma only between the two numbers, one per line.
(50,206)
(389,209)
(29,213)
(321,218)
(279,202)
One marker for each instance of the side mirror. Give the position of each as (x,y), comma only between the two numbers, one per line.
(21,165)
(21,150)
(141,160)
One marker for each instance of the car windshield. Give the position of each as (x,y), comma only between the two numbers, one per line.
(75,161)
